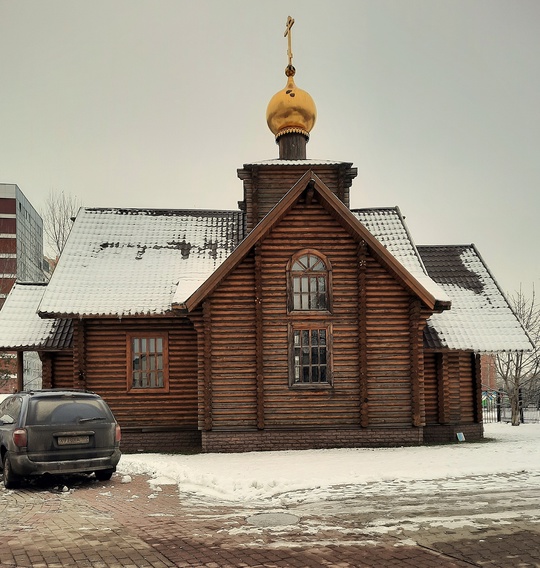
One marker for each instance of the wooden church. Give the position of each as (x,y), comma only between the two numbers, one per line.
(291,323)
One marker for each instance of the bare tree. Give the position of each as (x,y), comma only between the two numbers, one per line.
(8,371)
(58,212)
(519,371)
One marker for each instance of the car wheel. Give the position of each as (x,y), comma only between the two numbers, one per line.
(11,480)
(104,474)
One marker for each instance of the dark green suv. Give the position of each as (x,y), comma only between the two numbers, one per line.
(57,432)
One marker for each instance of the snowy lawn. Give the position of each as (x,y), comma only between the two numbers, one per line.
(259,476)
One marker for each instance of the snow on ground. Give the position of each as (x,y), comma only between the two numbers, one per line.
(260,476)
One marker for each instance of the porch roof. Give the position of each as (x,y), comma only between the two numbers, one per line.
(21,329)
(481,318)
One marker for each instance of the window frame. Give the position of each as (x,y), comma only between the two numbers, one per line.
(290,283)
(164,336)
(310,326)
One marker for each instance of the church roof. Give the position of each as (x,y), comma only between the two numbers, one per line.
(481,318)
(22,329)
(126,262)
(120,262)
(388,226)
(417,282)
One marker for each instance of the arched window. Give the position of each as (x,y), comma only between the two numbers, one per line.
(309,277)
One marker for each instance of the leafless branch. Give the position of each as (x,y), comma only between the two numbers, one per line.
(519,371)
(59,210)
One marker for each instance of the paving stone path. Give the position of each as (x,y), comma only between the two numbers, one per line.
(134,524)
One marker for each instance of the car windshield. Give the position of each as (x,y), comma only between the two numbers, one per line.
(65,411)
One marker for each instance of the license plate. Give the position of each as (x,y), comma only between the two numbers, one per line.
(70,440)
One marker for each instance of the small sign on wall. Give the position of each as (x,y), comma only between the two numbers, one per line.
(460,436)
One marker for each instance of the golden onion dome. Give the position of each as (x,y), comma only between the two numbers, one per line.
(291,109)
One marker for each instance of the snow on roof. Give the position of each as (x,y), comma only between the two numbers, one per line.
(387,225)
(278,162)
(481,318)
(120,262)
(22,329)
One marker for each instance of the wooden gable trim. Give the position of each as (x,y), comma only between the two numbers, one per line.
(342,214)
(381,253)
(242,250)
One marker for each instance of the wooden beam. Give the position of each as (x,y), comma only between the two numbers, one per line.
(379,250)
(477,386)
(259,338)
(443,388)
(361,254)
(207,395)
(415,337)
(79,354)
(46,369)
(20,371)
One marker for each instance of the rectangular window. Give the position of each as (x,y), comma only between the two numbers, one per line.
(309,293)
(148,362)
(310,357)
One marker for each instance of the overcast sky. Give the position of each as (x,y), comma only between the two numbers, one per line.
(156,103)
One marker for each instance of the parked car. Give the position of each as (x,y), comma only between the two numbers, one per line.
(57,432)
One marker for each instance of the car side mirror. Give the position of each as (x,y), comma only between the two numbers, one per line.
(6,419)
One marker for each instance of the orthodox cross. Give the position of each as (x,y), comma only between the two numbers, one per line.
(288,34)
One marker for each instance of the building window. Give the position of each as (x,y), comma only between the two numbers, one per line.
(148,362)
(309,283)
(310,357)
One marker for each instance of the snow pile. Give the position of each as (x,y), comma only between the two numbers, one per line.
(311,474)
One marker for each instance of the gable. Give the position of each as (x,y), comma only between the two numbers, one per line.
(257,315)
(418,283)
(122,262)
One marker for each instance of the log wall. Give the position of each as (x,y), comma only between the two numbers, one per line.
(228,354)
(265,185)
(453,379)
(150,421)
(431,388)
(310,227)
(249,336)
(105,371)
(62,369)
(467,381)
(388,349)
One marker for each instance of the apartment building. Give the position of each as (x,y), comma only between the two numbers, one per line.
(21,240)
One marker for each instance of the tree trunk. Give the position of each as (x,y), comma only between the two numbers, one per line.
(515,407)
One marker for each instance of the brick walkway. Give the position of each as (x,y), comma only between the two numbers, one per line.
(119,524)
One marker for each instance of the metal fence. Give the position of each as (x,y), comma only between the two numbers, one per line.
(32,370)
(496,408)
